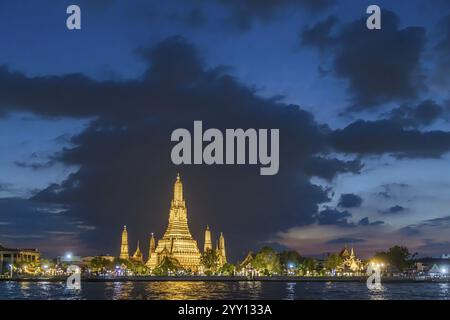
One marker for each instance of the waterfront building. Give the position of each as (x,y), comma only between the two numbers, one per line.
(246,268)
(69,258)
(124,244)
(9,256)
(88,259)
(350,263)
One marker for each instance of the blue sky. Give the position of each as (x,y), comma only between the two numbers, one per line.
(46,144)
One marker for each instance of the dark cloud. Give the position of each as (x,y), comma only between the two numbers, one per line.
(393,210)
(380,66)
(346,241)
(319,35)
(419,228)
(35,165)
(245,12)
(388,136)
(30,224)
(334,217)
(350,200)
(366,222)
(422,114)
(6,186)
(442,53)
(329,168)
(126,174)
(331,216)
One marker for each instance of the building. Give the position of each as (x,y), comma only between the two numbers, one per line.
(124,244)
(138,256)
(220,249)
(350,263)
(9,256)
(208,243)
(68,258)
(177,241)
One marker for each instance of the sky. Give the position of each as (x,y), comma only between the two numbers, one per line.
(86,117)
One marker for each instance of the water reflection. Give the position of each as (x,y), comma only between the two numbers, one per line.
(444,293)
(222,290)
(377,293)
(290,290)
(122,290)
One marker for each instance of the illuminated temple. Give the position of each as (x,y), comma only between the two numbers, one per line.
(177,242)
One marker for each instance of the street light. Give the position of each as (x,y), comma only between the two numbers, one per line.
(11,270)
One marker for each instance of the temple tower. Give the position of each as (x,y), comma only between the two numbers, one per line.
(221,250)
(137,256)
(152,248)
(208,243)
(124,246)
(177,239)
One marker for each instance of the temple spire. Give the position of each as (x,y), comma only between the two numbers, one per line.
(208,243)
(221,250)
(124,245)
(178,190)
(152,247)
(137,256)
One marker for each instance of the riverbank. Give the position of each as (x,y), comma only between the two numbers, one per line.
(226,279)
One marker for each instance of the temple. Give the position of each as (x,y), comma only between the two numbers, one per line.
(350,263)
(137,256)
(177,242)
(208,243)
(124,245)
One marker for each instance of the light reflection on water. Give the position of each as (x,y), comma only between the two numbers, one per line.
(187,290)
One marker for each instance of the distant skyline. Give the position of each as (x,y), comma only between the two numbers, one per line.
(86,117)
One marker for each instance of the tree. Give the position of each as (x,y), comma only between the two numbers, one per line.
(289,260)
(167,265)
(308,265)
(99,264)
(210,260)
(397,256)
(267,261)
(227,269)
(333,261)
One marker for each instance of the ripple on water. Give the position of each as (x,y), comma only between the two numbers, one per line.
(189,290)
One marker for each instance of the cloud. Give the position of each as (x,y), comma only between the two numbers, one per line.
(442,54)
(394,210)
(334,217)
(245,12)
(366,222)
(346,241)
(365,57)
(125,173)
(28,224)
(319,35)
(422,114)
(34,165)
(388,136)
(329,168)
(350,200)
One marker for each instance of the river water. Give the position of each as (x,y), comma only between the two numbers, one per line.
(175,290)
